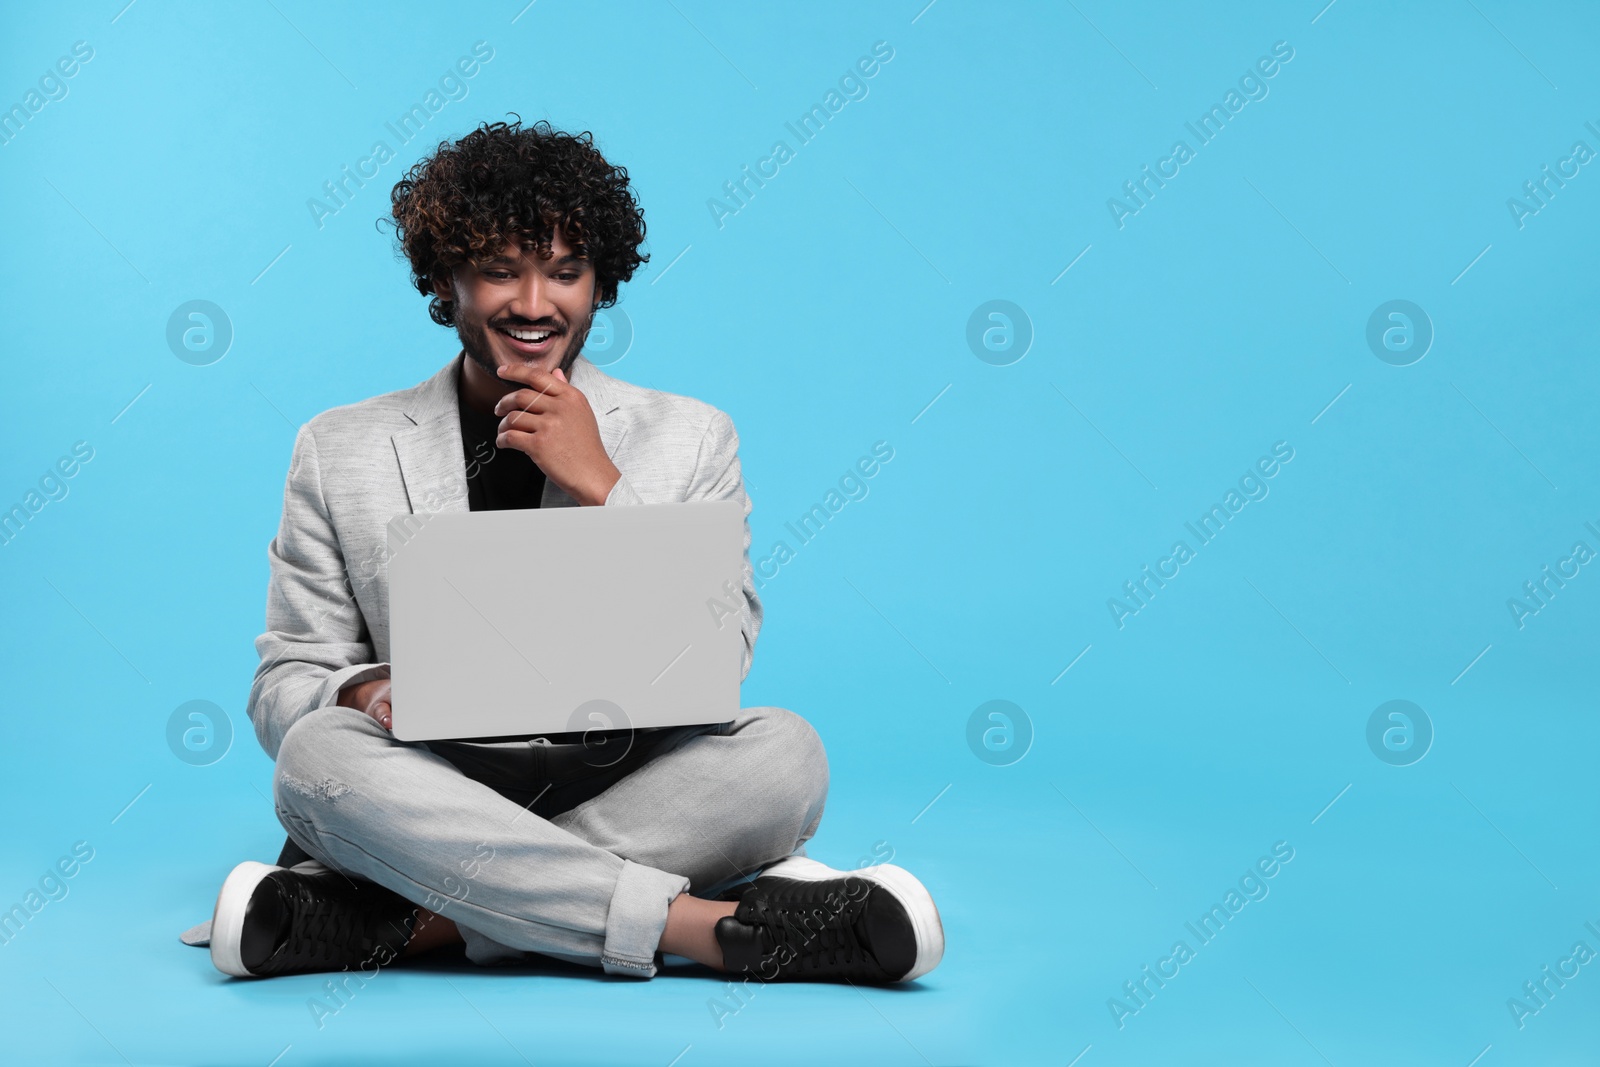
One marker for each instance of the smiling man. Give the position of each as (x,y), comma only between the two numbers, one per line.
(691,842)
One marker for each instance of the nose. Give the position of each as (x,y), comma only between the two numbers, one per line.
(532,302)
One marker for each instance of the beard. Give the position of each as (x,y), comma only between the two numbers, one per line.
(475,343)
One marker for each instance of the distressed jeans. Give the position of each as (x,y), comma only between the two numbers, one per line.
(566,850)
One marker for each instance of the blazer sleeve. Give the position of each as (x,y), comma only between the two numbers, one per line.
(717,476)
(317,640)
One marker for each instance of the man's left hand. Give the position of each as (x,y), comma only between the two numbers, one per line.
(552,422)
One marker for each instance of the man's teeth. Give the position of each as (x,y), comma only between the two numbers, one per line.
(528,336)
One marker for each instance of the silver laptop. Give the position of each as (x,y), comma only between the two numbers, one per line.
(560,621)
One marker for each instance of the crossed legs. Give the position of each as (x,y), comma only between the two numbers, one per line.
(590,884)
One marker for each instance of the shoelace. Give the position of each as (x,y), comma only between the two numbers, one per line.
(826,945)
(327,926)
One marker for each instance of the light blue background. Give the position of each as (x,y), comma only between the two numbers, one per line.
(824,316)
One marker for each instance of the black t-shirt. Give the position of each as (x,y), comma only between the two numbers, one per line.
(498,479)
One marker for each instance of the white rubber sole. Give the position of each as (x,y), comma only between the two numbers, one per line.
(227,922)
(912,894)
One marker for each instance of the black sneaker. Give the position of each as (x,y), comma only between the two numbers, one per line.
(802,919)
(291,920)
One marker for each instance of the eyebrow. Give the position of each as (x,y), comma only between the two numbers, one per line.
(503,259)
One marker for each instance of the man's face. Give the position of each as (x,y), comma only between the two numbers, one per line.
(548,301)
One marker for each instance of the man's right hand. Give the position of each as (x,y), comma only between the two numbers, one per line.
(371,699)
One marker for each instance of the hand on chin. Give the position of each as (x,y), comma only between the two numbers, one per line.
(546,363)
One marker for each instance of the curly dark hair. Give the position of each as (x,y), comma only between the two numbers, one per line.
(505,186)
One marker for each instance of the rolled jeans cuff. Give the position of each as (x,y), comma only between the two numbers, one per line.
(637,918)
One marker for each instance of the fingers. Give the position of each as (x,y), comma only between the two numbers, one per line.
(524,421)
(517,439)
(529,400)
(379,707)
(537,377)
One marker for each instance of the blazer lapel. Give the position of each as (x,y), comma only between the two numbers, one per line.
(432,458)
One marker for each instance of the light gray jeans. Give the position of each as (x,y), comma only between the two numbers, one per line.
(570,851)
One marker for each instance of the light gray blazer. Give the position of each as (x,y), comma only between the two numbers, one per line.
(357,466)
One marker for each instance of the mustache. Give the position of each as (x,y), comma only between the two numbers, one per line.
(553,327)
